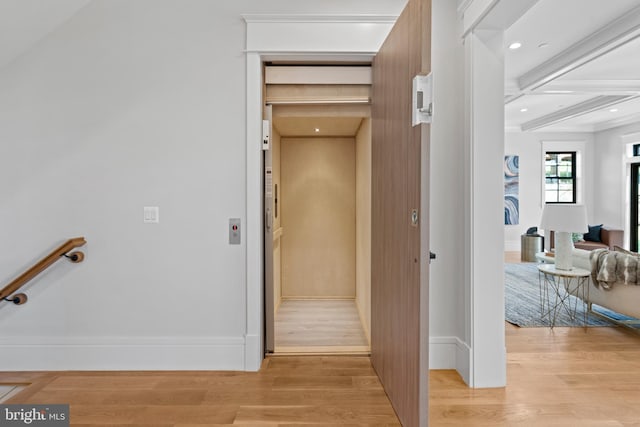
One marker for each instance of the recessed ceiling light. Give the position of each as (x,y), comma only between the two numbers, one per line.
(613,110)
(543,45)
(317,130)
(515,45)
(524,110)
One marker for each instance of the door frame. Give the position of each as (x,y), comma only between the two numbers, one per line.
(315,37)
(299,38)
(634,214)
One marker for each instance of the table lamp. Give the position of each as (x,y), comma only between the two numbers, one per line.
(564,219)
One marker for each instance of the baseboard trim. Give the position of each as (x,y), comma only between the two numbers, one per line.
(463,361)
(254,354)
(450,353)
(363,322)
(105,354)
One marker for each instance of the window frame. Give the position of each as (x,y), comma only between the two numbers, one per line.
(573,178)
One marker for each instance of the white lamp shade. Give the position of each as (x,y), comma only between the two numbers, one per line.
(569,218)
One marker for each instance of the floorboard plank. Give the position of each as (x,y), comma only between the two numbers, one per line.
(559,377)
(321,324)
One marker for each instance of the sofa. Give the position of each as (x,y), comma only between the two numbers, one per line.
(621,298)
(609,238)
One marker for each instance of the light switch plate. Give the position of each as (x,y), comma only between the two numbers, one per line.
(151,214)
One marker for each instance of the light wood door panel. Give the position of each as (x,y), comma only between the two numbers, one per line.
(399,278)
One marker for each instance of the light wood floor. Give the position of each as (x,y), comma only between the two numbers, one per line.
(7,391)
(559,377)
(512,257)
(319,326)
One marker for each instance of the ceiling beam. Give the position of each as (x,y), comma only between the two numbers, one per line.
(491,14)
(603,87)
(627,120)
(606,39)
(576,110)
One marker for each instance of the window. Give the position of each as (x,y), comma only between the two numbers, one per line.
(560,177)
(636,150)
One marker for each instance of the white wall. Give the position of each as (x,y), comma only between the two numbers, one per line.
(611,185)
(446,309)
(132,104)
(529,146)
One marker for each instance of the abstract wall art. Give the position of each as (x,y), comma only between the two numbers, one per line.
(511,189)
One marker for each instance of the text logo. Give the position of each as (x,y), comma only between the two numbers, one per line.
(34,415)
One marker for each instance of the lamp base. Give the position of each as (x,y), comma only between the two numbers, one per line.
(564,251)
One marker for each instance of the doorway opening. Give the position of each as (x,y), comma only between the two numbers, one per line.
(319,247)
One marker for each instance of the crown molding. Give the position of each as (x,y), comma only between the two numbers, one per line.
(309,18)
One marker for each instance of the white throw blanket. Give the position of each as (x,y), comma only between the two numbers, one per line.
(608,268)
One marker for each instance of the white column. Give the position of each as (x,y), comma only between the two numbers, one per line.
(253,229)
(484,212)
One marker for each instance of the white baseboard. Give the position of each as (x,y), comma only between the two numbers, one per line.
(253,355)
(463,361)
(442,352)
(111,353)
(450,353)
(173,353)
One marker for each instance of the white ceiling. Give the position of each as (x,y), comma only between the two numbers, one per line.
(313,126)
(578,68)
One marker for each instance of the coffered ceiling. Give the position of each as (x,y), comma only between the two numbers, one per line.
(578,67)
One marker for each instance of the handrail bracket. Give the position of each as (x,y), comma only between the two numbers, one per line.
(8,293)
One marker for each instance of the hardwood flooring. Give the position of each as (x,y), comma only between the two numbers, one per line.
(319,326)
(330,390)
(7,391)
(512,257)
(559,377)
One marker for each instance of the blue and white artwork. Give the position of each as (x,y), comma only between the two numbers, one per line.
(511,188)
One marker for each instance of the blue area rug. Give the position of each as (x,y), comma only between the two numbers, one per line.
(522,302)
